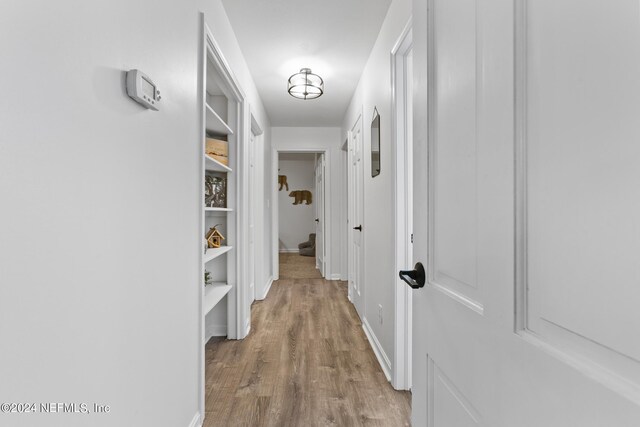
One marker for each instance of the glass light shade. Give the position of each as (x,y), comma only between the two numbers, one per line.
(306,85)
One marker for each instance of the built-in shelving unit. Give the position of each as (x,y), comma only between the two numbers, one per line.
(215,125)
(213,165)
(213,253)
(222,120)
(213,294)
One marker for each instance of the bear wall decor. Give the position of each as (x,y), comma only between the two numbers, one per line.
(282,180)
(301,196)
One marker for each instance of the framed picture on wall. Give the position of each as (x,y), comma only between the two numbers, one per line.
(375,143)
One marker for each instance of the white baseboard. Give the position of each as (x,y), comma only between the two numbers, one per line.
(267,287)
(196,421)
(335,277)
(383,360)
(247,327)
(289,251)
(215,331)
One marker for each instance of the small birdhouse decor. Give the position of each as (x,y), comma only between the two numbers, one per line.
(214,237)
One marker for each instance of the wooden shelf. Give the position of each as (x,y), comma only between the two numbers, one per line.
(212,253)
(214,124)
(212,164)
(213,293)
(218,210)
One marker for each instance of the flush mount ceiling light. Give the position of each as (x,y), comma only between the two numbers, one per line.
(306,85)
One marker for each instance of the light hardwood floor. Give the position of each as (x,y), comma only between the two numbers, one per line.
(306,362)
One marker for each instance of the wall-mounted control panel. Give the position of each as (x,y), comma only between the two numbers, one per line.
(143,90)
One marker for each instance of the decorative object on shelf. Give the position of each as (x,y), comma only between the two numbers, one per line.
(375,143)
(218,149)
(301,196)
(219,192)
(306,85)
(214,237)
(282,180)
(207,278)
(215,191)
(208,190)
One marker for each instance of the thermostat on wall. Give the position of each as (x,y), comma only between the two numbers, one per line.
(142,89)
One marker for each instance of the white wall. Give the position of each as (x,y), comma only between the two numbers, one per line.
(296,222)
(99,226)
(374,90)
(301,138)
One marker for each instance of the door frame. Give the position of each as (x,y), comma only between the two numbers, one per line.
(275,211)
(319,157)
(255,143)
(401,172)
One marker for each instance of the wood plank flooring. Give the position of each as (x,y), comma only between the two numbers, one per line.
(306,362)
(294,266)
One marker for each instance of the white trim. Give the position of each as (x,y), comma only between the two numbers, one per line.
(196,421)
(238,318)
(254,190)
(520,168)
(402,219)
(337,276)
(327,203)
(383,360)
(405,36)
(344,265)
(289,251)
(267,288)
(215,331)
(202,60)
(275,225)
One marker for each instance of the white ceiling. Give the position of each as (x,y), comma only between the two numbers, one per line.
(332,37)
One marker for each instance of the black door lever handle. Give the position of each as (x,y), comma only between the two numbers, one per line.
(317,220)
(415,278)
(359,228)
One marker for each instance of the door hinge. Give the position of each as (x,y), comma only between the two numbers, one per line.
(411,237)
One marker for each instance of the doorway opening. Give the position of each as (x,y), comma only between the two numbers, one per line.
(301,215)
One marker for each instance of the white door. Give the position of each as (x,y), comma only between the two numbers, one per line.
(320,214)
(529,317)
(252,219)
(356,203)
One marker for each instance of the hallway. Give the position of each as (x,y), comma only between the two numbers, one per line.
(462,175)
(305,362)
